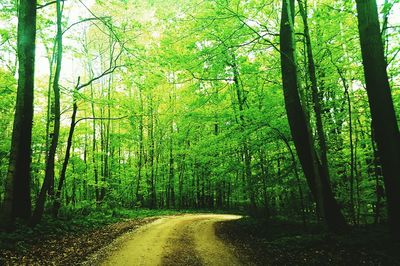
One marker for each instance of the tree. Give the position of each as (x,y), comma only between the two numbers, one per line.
(300,127)
(17,202)
(209,125)
(384,121)
(74,122)
(50,158)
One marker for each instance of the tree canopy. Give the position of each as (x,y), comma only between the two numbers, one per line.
(263,106)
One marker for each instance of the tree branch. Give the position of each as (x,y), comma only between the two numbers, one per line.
(110,70)
(47,4)
(81,21)
(208,79)
(100,118)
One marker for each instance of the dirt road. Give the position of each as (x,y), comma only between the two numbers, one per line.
(176,240)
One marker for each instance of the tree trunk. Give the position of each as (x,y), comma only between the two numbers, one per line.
(300,127)
(171,175)
(50,163)
(153,201)
(107,154)
(314,90)
(378,174)
(17,202)
(139,197)
(94,148)
(50,109)
(241,100)
(352,156)
(323,160)
(57,199)
(296,174)
(102,153)
(381,104)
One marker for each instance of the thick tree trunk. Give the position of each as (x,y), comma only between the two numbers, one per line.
(17,202)
(379,192)
(297,118)
(314,90)
(381,104)
(332,209)
(299,125)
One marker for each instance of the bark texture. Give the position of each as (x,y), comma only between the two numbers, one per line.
(300,127)
(17,202)
(48,183)
(384,122)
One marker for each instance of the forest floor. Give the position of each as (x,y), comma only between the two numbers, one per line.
(70,241)
(194,239)
(266,243)
(68,249)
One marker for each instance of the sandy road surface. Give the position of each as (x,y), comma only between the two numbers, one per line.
(176,240)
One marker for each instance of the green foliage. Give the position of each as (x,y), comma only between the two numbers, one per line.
(196,91)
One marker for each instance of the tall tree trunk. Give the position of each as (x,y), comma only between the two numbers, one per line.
(171,175)
(102,152)
(17,202)
(107,154)
(241,100)
(57,198)
(94,148)
(378,174)
(139,197)
(49,113)
(264,176)
(48,182)
(153,201)
(352,155)
(347,88)
(381,104)
(85,161)
(323,160)
(314,90)
(181,175)
(296,173)
(300,127)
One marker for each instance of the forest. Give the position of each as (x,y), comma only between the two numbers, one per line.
(275,120)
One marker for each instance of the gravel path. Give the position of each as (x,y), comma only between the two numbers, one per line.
(175,240)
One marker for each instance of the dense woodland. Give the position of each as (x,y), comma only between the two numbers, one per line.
(276,108)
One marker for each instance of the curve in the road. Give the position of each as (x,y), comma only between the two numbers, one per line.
(176,240)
